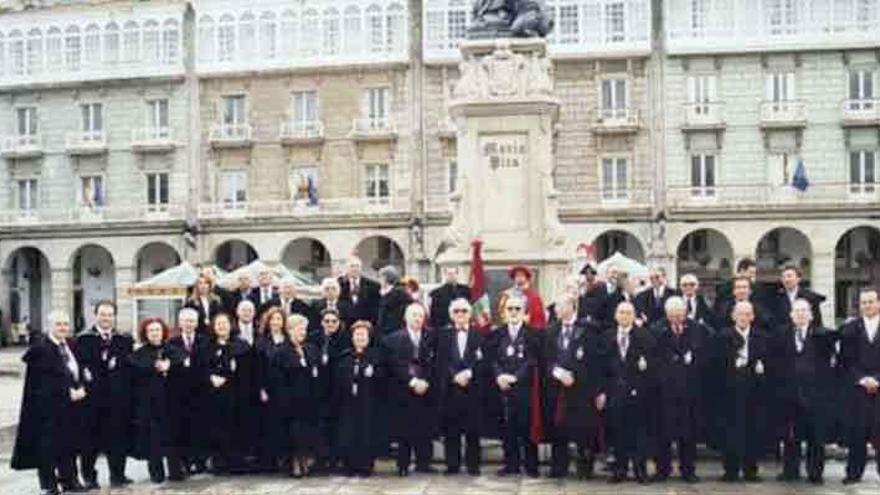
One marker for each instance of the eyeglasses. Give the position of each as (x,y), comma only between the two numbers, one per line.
(459,310)
(513,308)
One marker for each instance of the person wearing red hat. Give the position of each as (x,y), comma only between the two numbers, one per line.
(522,283)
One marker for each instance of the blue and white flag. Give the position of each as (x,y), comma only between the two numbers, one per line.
(799,180)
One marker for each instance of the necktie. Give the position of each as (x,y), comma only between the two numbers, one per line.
(67,358)
(566,336)
(623,343)
(415,341)
(187,341)
(801,339)
(690,306)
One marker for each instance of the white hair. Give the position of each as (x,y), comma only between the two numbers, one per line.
(689,277)
(187,312)
(742,305)
(513,296)
(58,316)
(297,319)
(565,298)
(244,303)
(459,303)
(674,303)
(412,309)
(801,302)
(329,282)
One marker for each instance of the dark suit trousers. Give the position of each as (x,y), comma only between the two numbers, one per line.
(66,472)
(452,448)
(803,429)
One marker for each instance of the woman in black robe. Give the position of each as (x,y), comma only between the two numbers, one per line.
(300,364)
(205,300)
(156,366)
(358,384)
(270,378)
(227,367)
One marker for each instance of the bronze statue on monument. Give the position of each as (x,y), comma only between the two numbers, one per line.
(510,18)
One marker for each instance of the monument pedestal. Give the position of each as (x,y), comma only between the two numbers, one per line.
(505,112)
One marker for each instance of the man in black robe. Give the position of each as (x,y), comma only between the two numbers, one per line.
(461,381)
(392,303)
(410,353)
(629,384)
(789,292)
(331,300)
(48,428)
(592,303)
(741,353)
(359,291)
(573,383)
(802,372)
(696,307)
(860,353)
(743,290)
(188,389)
(288,301)
(103,353)
(442,297)
(682,356)
(649,303)
(244,292)
(515,351)
(265,293)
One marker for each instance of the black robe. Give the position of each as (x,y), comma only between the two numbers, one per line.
(860,358)
(592,305)
(441,298)
(392,306)
(464,407)
(295,306)
(782,306)
(522,359)
(229,417)
(215,306)
(49,425)
(188,391)
(412,416)
(571,413)
(649,306)
(106,373)
(359,392)
(155,407)
(269,376)
(366,307)
(346,313)
(299,396)
(328,349)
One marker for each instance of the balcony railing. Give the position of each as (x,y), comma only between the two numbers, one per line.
(739,197)
(703,115)
(783,113)
(606,199)
(231,135)
(864,112)
(93,214)
(86,142)
(302,132)
(618,120)
(373,128)
(146,139)
(330,207)
(22,146)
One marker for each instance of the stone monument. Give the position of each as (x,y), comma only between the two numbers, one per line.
(505,112)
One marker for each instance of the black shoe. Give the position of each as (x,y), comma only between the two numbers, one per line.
(118,482)
(92,485)
(451,471)
(753,478)
(505,471)
(690,478)
(729,478)
(617,478)
(659,478)
(473,471)
(403,472)
(74,487)
(787,477)
(157,479)
(426,470)
(50,491)
(851,480)
(533,473)
(816,480)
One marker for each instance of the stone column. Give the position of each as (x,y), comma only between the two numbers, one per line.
(6,322)
(62,290)
(126,319)
(822,281)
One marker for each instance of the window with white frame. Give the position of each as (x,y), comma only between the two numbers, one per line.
(233,117)
(27,125)
(268,35)
(170,42)
(28,196)
(310,43)
(34,52)
(376,29)
(354,31)
(861,90)
(615,22)
(862,171)
(615,176)
(614,98)
(151,46)
(376,183)
(16,53)
(780,87)
(456,27)
(92,192)
(2,54)
(452,176)
(331,32)
(72,49)
(131,42)
(92,121)
(703,174)
(111,44)
(699,14)
(54,54)
(157,191)
(782,16)
(157,118)
(206,39)
(233,189)
(866,13)
(226,39)
(92,47)
(247,37)
(304,111)
(701,92)
(568,25)
(395,29)
(289,33)
(377,108)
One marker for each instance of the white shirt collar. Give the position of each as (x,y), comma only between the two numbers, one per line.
(53,339)
(744,333)
(513,330)
(871,323)
(624,330)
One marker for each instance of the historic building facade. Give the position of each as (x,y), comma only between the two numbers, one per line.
(302,131)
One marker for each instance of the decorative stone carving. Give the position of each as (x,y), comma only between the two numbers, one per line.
(503,74)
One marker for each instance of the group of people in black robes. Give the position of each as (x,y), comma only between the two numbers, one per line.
(279,385)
